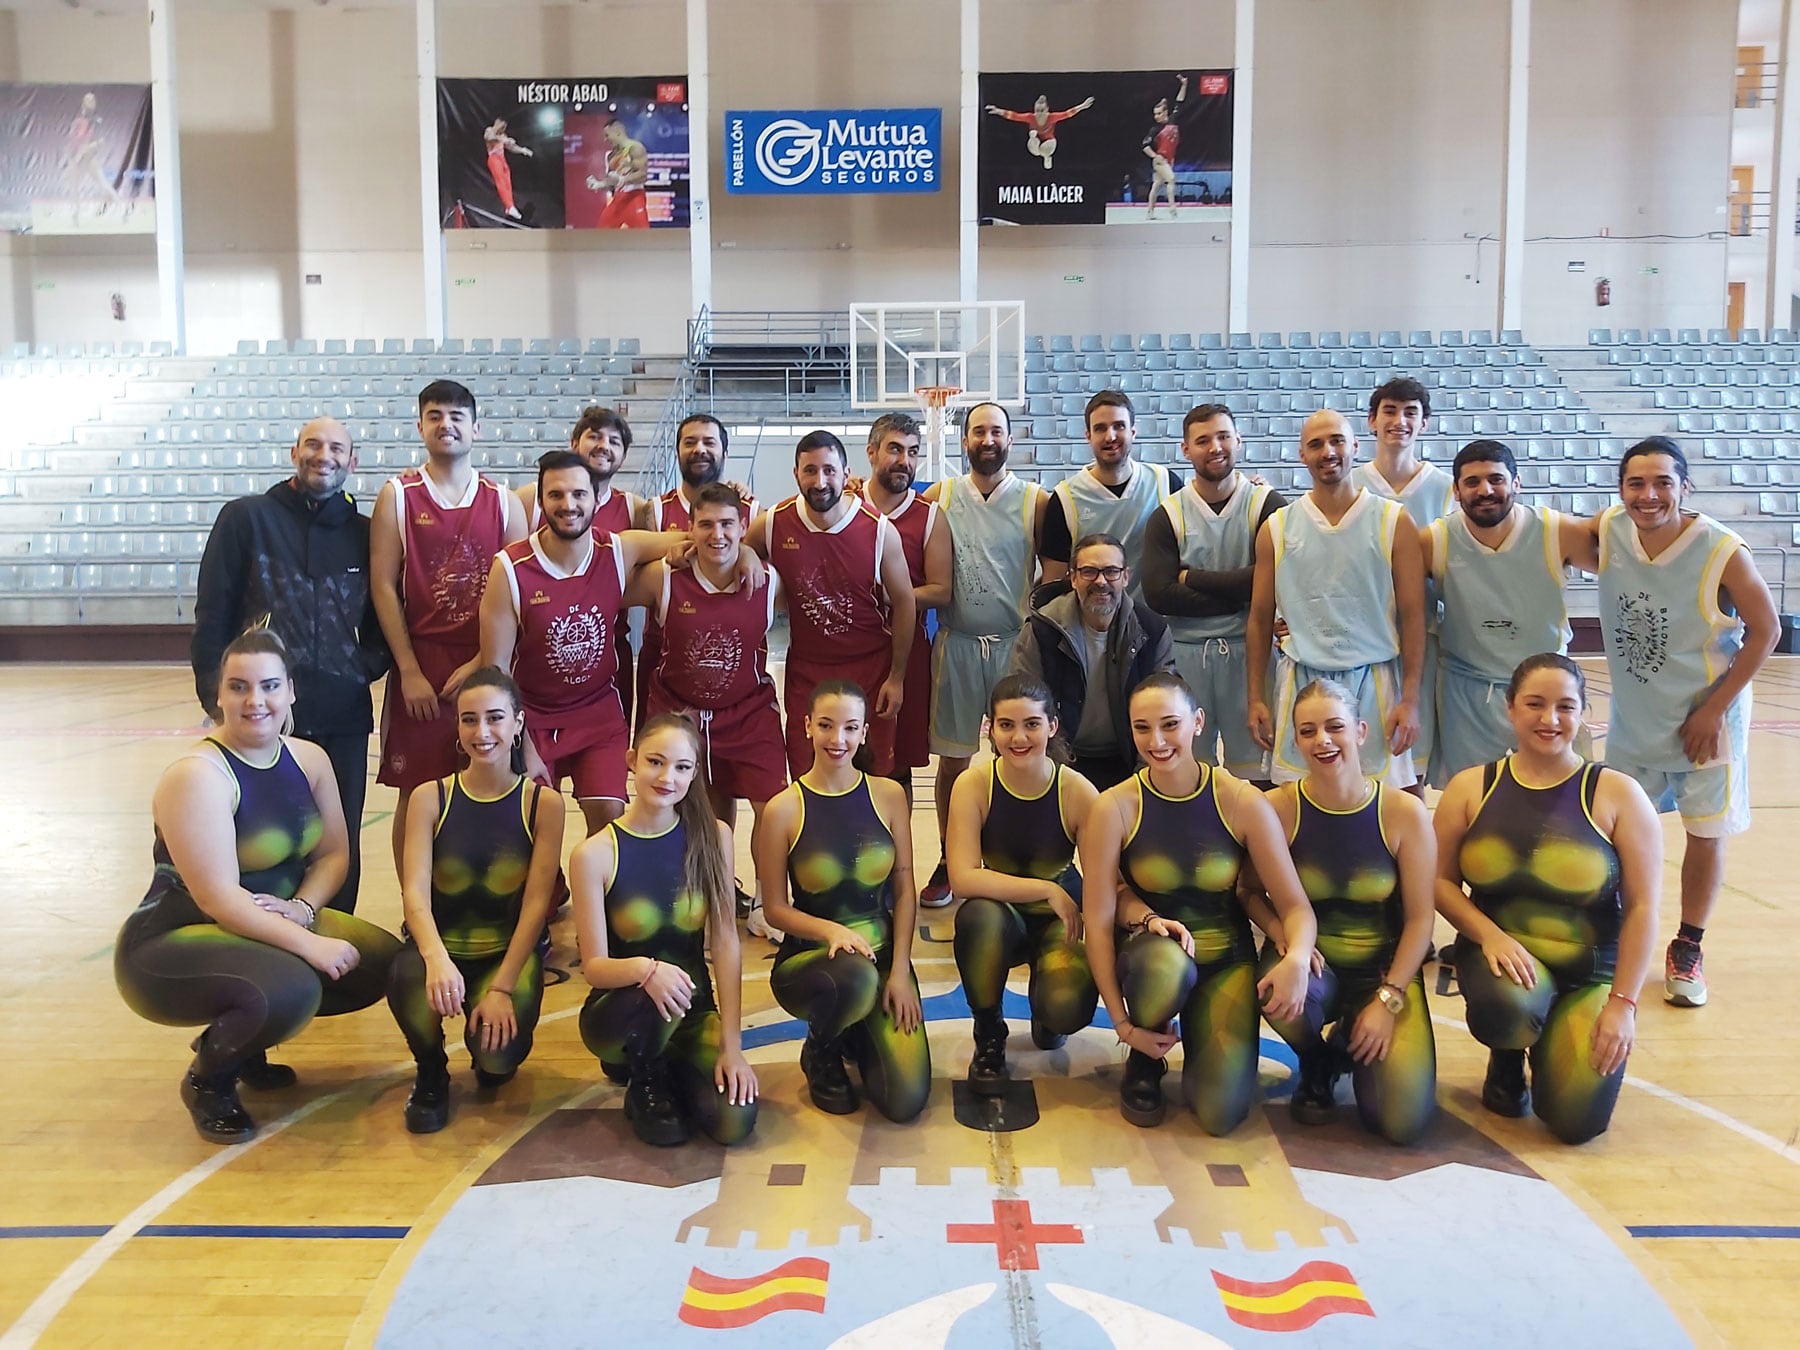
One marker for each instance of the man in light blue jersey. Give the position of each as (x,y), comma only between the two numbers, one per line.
(1114,495)
(1399,415)
(1342,566)
(1199,564)
(1687,622)
(993,519)
(1500,567)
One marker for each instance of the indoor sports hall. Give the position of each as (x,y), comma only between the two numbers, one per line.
(251,249)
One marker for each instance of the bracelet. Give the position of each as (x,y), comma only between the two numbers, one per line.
(312,914)
(1628,1002)
(654,963)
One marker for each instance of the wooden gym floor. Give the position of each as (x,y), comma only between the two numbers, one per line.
(117,1222)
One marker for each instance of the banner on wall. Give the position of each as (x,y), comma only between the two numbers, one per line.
(76,159)
(840,150)
(1105,147)
(598,154)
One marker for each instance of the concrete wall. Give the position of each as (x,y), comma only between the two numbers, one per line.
(1377,154)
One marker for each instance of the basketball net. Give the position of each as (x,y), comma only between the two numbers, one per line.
(934,401)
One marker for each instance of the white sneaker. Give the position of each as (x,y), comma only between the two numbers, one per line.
(760,926)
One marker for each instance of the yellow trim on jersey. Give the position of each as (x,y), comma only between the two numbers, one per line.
(1137,781)
(1055,778)
(1439,530)
(1551,522)
(1199,787)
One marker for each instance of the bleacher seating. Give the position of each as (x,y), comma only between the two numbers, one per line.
(120,515)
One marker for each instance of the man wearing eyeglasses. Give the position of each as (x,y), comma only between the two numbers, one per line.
(1090,648)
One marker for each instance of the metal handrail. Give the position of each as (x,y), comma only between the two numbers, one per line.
(1779,582)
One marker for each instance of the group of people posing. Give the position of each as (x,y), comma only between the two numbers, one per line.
(1205,794)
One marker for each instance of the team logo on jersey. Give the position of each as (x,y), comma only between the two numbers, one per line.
(423,518)
(686,607)
(577,641)
(458,577)
(1641,630)
(832,612)
(714,659)
(538,598)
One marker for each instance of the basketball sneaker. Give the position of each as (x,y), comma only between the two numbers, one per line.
(759,924)
(935,894)
(1684,975)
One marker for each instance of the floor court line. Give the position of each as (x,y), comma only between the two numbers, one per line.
(1786,1151)
(44,1308)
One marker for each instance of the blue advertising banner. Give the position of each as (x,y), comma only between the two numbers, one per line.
(834,151)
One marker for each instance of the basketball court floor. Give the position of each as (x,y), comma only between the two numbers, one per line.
(537,1216)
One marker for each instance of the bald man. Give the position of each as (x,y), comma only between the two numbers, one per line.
(1343,567)
(296,560)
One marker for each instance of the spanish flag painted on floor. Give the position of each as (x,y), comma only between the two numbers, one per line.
(718,1304)
(1317,1289)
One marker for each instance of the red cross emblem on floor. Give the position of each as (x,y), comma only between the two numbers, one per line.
(1014,1235)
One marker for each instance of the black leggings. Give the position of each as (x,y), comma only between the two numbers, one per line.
(248,994)
(423,1027)
(349,756)
(841,996)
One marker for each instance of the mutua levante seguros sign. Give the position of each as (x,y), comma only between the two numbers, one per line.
(835,150)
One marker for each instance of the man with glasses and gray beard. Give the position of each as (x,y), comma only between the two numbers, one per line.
(1090,648)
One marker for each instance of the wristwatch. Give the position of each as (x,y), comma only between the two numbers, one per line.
(1393,998)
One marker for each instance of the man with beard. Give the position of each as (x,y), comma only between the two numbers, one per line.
(434,536)
(993,518)
(1500,567)
(700,445)
(925,541)
(850,601)
(1342,565)
(1090,648)
(1199,565)
(1114,495)
(603,438)
(1399,413)
(296,561)
(552,602)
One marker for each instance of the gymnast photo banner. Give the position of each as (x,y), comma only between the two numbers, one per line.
(842,150)
(1105,147)
(76,159)
(587,154)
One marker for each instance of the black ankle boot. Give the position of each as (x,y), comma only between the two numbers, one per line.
(1044,1038)
(212,1101)
(261,1076)
(827,1080)
(1504,1091)
(1315,1090)
(428,1108)
(1140,1090)
(650,1105)
(489,1081)
(987,1070)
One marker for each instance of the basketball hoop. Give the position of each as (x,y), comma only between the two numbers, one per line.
(935,400)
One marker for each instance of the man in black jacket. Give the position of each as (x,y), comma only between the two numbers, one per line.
(1090,647)
(296,560)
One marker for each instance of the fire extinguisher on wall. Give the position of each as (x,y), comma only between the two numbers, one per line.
(1603,292)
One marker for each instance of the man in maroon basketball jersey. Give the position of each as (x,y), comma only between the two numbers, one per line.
(434,535)
(700,445)
(715,652)
(553,600)
(602,437)
(850,602)
(925,540)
